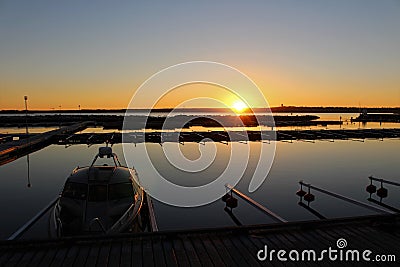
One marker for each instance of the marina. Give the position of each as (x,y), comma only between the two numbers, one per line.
(199,133)
(197,245)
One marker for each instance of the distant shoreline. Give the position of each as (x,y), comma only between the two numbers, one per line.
(283,109)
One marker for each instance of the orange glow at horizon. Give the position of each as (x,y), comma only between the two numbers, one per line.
(277,88)
(239,106)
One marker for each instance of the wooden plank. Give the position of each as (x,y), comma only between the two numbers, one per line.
(59,257)
(115,254)
(281,241)
(147,252)
(360,240)
(104,254)
(278,242)
(70,257)
(27,258)
(15,258)
(170,253)
(5,255)
(137,252)
(158,252)
(297,244)
(353,239)
(307,244)
(222,251)
(245,239)
(378,236)
(315,240)
(201,252)
(37,258)
(126,254)
(93,254)
(48,257)
(180,252)
(249,256)
(211,251)
(326,234)
(190,251)
(290,238)
(233,251)
(83,252)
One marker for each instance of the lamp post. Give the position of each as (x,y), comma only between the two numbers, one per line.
(26,113)
(59,114)
(27,133)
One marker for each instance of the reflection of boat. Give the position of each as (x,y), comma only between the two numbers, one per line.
(99,199)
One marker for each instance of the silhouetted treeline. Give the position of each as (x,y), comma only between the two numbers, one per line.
(281,109)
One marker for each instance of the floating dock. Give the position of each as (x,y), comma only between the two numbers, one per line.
(66,138)
(229,246)
(11,150)
(25,143)
(229,136)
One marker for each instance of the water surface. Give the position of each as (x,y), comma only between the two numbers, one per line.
(340,166)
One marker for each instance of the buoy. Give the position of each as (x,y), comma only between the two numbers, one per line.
(309,197)
(231,202)
(371,188)
(225,197)
(301,193)
(382,192)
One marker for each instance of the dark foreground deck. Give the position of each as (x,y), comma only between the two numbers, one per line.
(233,246)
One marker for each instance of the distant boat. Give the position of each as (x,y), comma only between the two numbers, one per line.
(99,199)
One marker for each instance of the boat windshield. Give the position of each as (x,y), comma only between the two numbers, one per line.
(75,190)
(118,191)
(98,192)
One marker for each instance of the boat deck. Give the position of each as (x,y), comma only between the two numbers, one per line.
(232,246)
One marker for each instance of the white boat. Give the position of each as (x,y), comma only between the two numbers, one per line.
(99,199)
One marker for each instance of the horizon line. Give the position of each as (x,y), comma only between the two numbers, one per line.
(200,108)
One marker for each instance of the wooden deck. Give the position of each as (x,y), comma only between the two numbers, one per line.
(233,246)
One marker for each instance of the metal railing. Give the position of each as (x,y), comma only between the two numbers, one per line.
(32,221)
(347,199)
(255,204)
(383,181)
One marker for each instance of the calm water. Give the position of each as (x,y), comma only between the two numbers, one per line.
(341,166)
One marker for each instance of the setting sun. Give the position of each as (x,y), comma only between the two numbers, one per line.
(239,106)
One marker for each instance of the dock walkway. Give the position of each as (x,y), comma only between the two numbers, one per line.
(230,246)
(13,149)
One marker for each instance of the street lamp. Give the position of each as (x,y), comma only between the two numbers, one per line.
(26,113)
(27,133)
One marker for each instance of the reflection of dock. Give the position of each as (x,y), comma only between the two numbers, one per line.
(10,150)
(230,246)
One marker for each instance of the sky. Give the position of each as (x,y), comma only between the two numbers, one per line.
(97,53)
